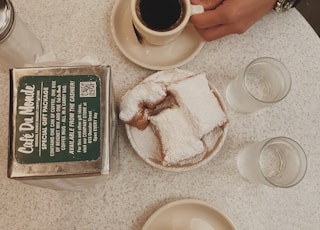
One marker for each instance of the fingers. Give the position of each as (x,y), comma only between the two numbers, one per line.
(221,15)
(214,33)
(196,2)
(207,19)
(219,31)
(207,4)
(222,21)
(230,17)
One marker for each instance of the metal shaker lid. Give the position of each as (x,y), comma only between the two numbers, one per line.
(6,18)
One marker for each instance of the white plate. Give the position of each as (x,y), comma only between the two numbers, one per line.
(146,144)
(175,54)
(188,214)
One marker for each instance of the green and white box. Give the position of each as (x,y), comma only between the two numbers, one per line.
(63,126)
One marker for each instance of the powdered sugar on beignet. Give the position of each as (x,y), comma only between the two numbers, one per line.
(136,102)
(169,76)
(195,98)
(177,138)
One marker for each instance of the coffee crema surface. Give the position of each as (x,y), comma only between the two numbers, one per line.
(161,15)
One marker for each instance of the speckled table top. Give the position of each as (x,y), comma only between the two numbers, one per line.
(73,29)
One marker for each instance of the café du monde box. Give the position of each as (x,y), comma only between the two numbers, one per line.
(63,126)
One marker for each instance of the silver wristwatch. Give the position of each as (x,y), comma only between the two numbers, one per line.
(284,5)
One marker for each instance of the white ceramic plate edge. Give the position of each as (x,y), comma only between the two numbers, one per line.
(213,153)
(164,209)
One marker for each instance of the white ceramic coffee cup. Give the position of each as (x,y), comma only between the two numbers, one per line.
(155,37)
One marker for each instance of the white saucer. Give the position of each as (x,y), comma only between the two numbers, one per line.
(173,55)
(146,144)
(188,214)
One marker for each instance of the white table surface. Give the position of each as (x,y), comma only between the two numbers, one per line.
(73,29)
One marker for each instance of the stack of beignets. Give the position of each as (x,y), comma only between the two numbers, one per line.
(184,114)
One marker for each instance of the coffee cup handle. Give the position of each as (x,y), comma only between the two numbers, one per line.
(196,9)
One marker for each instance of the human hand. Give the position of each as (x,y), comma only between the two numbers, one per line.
(226,17)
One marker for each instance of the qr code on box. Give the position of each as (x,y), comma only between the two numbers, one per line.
(88,89)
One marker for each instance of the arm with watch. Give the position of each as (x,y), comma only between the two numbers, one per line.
(224,17)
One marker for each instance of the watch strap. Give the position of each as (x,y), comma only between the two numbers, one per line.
(284,5)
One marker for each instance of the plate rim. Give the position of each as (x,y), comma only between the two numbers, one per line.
(200,163)
(189,201)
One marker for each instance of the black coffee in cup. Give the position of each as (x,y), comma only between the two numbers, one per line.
(160,15)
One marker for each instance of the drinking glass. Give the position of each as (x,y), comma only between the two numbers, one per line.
(18,45)
(277,162)
(264,82)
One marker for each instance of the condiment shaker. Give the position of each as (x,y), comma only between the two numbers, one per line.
(18,45)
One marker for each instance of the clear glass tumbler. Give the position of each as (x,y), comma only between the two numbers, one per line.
(18,45)
(277,162)
(264,82)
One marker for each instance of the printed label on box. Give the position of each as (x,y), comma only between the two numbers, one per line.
(58,119)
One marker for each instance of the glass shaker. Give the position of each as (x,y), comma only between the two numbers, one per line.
(18,45)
